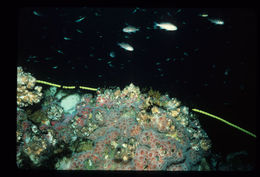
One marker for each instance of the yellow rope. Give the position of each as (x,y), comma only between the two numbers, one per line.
(65,87)
(87,88)
(196,110)
(48,83)
(68,87)
(226,122)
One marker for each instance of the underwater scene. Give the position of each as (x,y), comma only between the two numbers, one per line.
(136,88)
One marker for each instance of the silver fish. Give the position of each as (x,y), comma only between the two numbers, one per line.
(130,29)
(37,13)
(216,21)
(80,19)
(166,26)
(203,15)
(126,46)
(67,38)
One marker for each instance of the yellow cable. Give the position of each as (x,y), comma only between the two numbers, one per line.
(196,110)
(88,88)
(68,87)
(65,87)
(226,122)
(48,83)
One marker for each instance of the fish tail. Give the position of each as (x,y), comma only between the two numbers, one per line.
(155,25)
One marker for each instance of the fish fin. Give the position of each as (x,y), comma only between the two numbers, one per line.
(155,25)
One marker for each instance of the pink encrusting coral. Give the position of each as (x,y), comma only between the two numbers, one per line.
(81,161)
(160,150)
(128,130)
